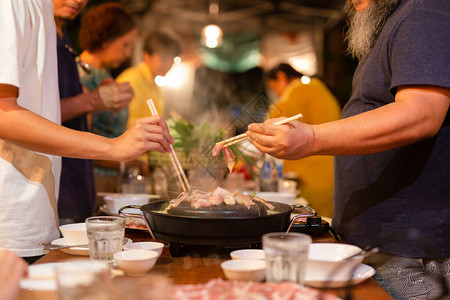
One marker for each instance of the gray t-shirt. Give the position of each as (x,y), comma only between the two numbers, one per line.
(399,200)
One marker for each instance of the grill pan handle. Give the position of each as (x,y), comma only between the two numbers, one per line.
(312,214)
(124,214)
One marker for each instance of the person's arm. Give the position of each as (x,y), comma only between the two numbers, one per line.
(416,114)
(12,269)
(72,107)
(29,130)
(110,95)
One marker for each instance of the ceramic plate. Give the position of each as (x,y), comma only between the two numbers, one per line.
(361,273)
(83,251)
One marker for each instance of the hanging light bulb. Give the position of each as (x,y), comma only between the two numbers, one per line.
(212,35)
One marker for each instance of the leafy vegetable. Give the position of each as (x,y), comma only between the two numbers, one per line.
(197,141)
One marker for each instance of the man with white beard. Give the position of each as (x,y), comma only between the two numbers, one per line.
(392,144)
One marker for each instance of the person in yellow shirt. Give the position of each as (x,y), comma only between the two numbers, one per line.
(310,97)
(160,49)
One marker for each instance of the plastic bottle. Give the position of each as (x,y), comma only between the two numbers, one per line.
(269,175)
(160,183)
(279,166)
(133,182)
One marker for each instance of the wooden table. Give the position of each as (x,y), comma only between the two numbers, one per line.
(201,264)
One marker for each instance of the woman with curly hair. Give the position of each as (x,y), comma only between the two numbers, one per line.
(107,35)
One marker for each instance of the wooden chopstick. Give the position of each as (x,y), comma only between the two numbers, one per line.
(235,141)
(284,121)
(239,138)
(179,172)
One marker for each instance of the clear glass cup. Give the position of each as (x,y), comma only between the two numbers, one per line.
(105,235)
(286,256)
(83,280)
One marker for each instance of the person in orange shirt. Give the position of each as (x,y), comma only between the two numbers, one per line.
(310,97)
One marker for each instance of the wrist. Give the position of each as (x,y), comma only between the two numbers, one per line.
(317,143)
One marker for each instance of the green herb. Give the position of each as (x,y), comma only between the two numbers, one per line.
(198,141)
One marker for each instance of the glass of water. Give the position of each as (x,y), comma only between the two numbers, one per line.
(105,235)
(286,255)
(83,280)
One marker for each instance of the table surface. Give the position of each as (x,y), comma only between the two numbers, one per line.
(200,264)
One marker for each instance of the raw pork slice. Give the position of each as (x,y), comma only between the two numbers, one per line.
(219,289)
(227,155)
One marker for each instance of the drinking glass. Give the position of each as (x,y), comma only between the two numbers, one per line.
(83,280)
(286,255)
(105,235)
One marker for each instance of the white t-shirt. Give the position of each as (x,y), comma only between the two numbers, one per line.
(29,181)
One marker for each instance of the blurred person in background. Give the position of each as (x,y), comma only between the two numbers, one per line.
(77,189)
(392,145)
(310,97)
(32,140)
(12,270)
(159,50)
(107,35)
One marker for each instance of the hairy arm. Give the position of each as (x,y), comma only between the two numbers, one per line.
(29,130)
(417,114)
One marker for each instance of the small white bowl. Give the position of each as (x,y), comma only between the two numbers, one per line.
(155,246)
(244,269)
(75,233)
(286,198)
(327,261)
(115,201)
(248,254)
(136,262)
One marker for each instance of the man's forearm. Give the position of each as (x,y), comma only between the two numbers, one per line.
(29,130)
(416,114)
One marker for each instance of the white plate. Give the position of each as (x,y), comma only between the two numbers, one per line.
(83,251)
(41,277)
(361,273)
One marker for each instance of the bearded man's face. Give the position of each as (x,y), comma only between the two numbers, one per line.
(366,24)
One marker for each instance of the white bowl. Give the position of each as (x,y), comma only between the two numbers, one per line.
(248,254)
(286,198)
(116,201)
(75,233)
(136,262)
(155,246)
(244,269)
(327,260)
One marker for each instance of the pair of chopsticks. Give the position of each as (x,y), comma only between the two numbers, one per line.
(179,172)
(241,137)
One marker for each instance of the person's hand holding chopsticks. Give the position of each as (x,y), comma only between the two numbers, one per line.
(149,133)
(292,140)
